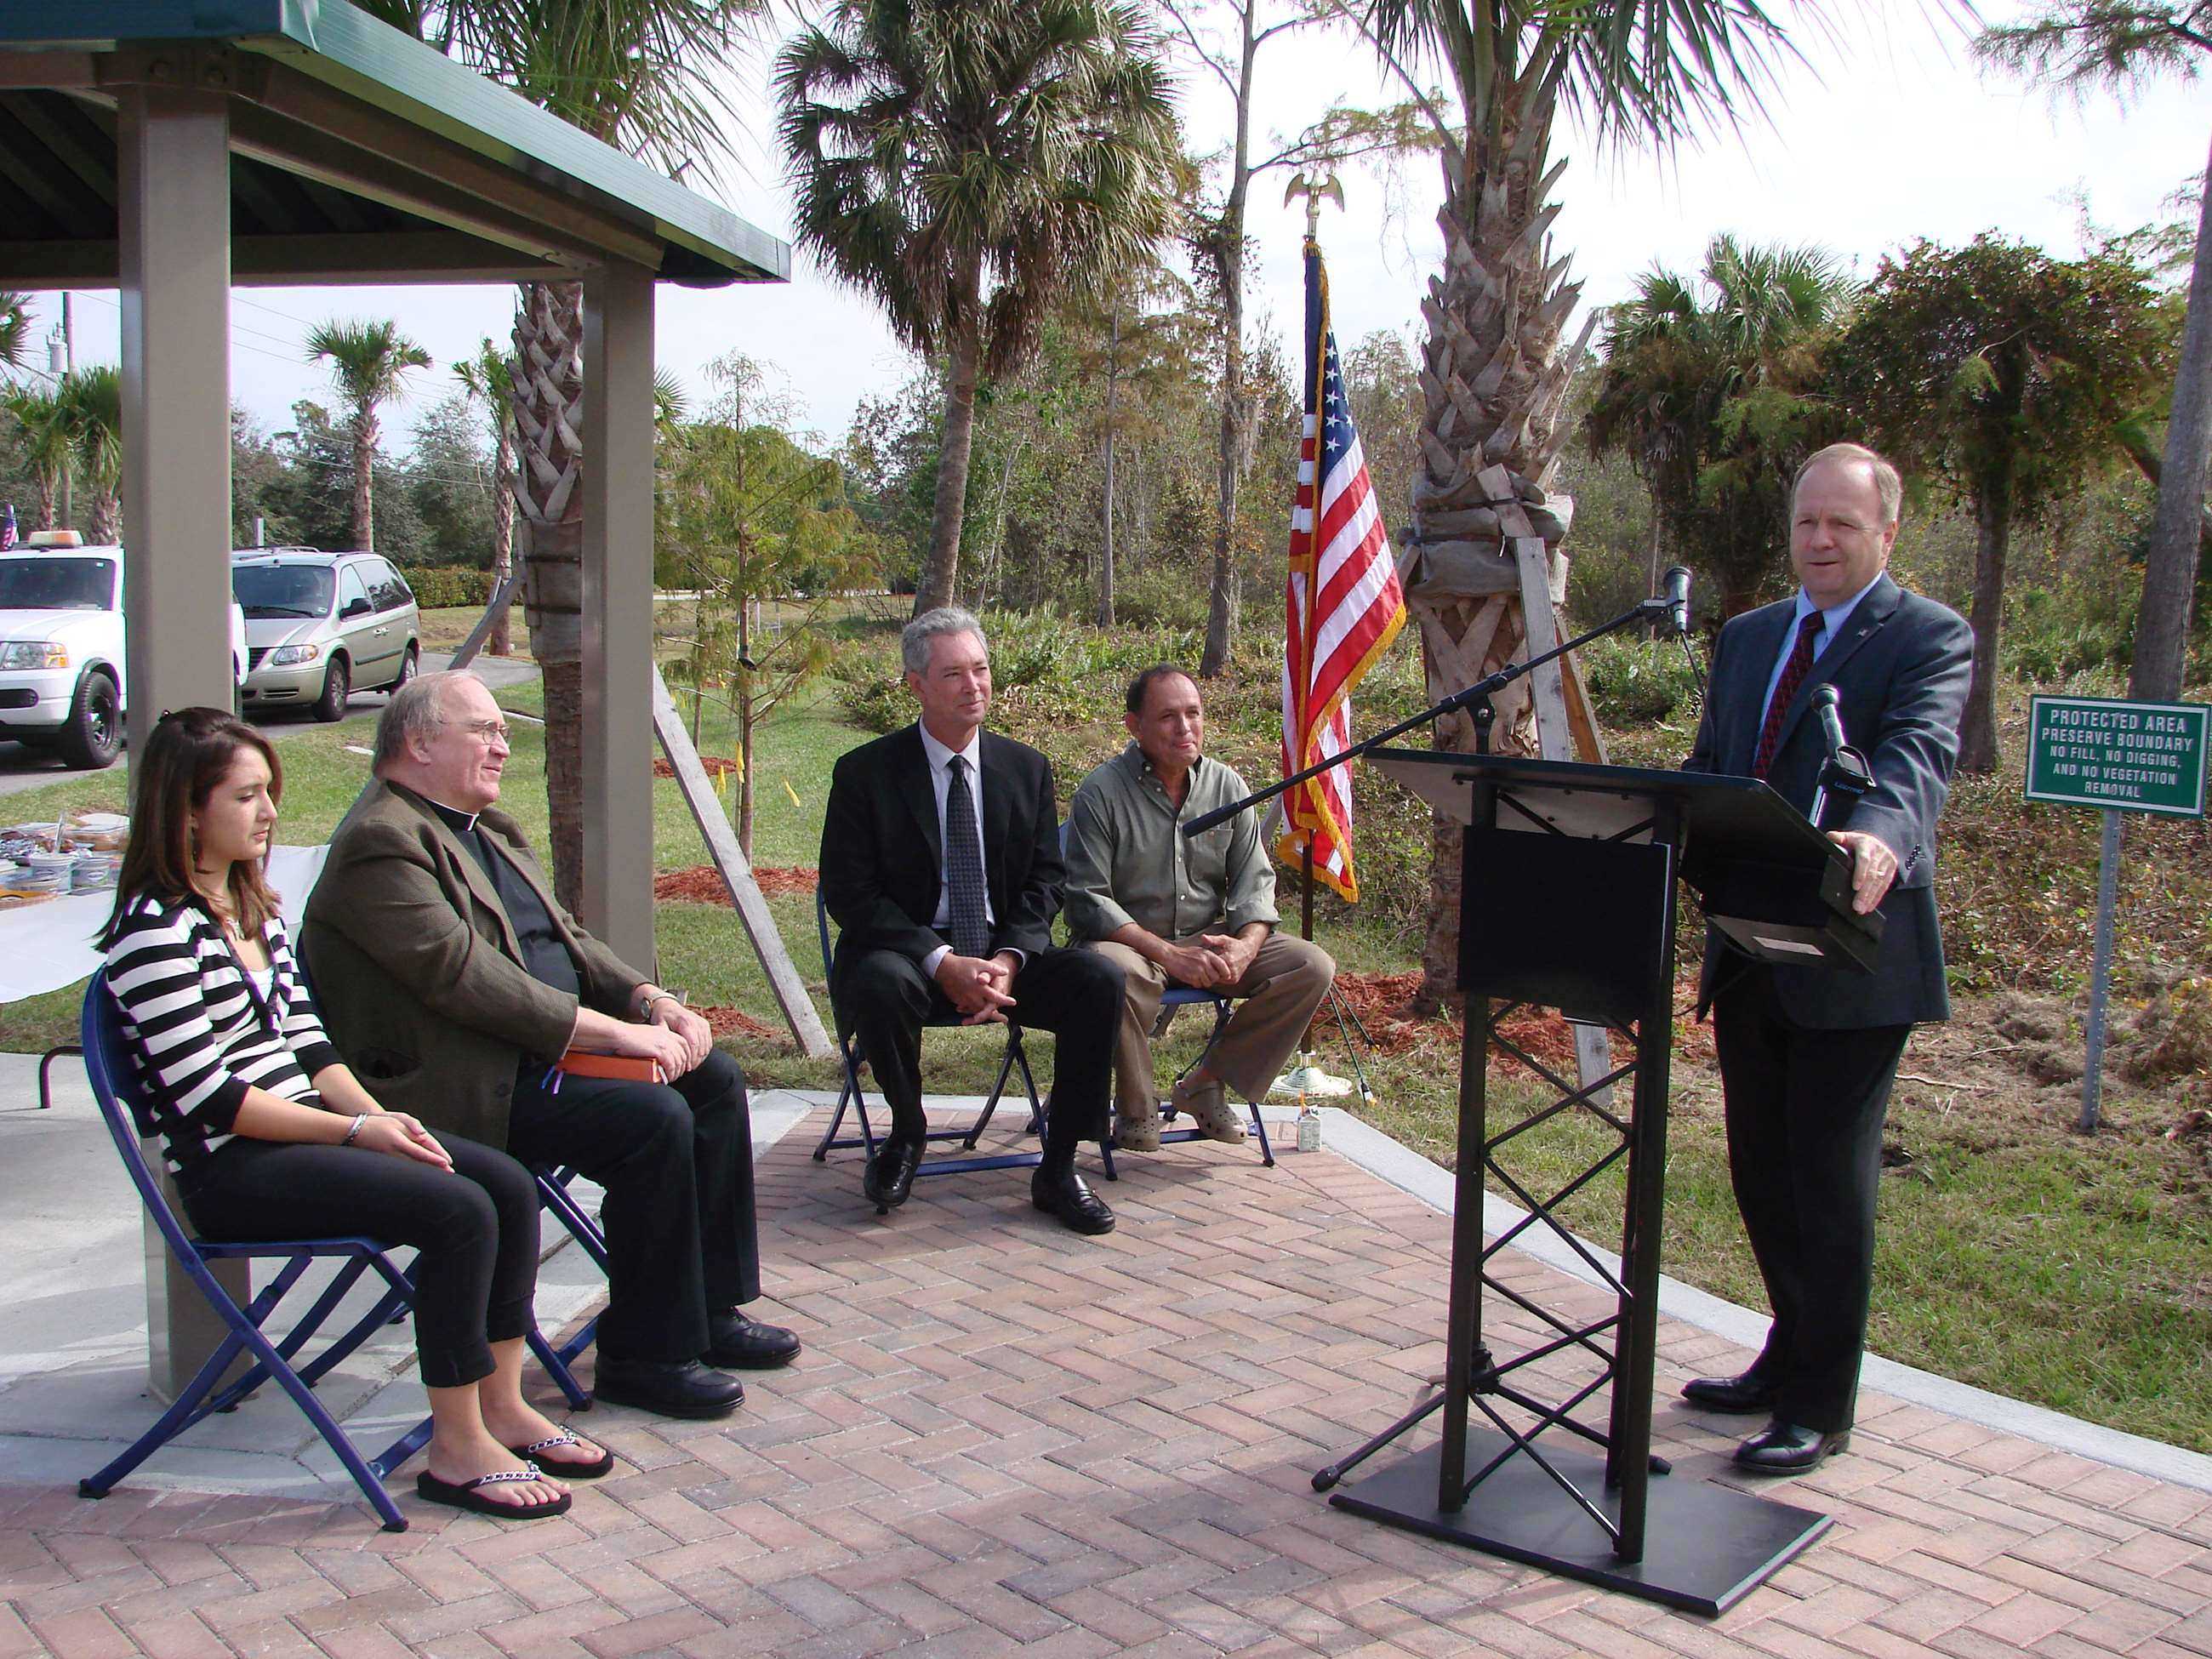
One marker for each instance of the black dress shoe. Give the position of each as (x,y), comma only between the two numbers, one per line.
(1062,1193)
(1749,1392)
(889,1174)
(740,1343)
(1783,1448)
(667,1388)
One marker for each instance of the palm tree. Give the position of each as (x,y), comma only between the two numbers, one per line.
(1711,387)
(646,77)
(47,448)
(487,379)
(1493,375)
(973,164)
(370,365)
(91,401)
(15,330)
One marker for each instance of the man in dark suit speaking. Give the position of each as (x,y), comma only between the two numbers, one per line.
(1807,1055)
(941,864)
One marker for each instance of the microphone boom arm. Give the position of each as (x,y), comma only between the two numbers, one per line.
(1651,610)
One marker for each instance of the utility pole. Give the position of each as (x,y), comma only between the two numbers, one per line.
(68,367)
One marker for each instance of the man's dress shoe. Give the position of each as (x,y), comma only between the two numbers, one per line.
(736,1343)
(889,1174)
(667,1390)
(1789,1449)
(1063,1194)
(1748,1393)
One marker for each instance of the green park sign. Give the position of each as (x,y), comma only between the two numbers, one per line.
(2110,753)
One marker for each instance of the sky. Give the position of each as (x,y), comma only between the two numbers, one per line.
(1885,133)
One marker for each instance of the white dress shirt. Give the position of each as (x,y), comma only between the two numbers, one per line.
(1833,619)
(940,784)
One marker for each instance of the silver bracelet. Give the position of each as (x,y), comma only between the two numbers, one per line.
(355,1131)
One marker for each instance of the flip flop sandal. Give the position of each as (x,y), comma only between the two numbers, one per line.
(591,1471)
(468,1495)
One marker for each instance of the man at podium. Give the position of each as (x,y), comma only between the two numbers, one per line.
(1807,1055)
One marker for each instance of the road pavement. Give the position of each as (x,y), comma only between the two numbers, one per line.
(24,768)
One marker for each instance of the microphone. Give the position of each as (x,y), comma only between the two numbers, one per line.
(1825,700)
(1678,597)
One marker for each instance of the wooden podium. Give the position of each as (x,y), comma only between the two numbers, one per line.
(1568,901)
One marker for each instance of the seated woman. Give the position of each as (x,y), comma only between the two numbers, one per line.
(269,1136)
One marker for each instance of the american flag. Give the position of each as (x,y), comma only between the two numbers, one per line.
(1344,605)
(7,531)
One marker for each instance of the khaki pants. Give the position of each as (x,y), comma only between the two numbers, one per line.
(1276,997)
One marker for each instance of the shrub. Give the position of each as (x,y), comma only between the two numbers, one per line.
(445,586)
(1636,682)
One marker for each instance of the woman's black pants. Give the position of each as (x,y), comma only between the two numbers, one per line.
(476,1228)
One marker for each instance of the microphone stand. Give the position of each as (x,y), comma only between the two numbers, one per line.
(1475,698)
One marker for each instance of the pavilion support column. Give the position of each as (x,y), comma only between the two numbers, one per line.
(172,166)
(618,621)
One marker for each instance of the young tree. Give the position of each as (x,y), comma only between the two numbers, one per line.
(487,379)
(2004,373)
(1713,390)
(2076,45)
(15,330)
(449,483)
(760,525)
(973,164)
(369,364)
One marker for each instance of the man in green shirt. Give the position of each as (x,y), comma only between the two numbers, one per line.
(1172,909)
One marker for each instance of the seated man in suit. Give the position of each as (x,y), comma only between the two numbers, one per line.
(451,978)
(1197,911)
(940,862)
(1807,1055)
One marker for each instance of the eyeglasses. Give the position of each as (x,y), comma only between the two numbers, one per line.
(486,731)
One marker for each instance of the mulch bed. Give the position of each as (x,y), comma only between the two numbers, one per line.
(736,1023)
(1380,1002)
(715,765)
(701,883)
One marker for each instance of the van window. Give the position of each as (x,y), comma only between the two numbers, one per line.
(386,587)
(282,590)
(349,587)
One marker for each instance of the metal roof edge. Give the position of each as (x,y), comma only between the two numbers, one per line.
(335,42)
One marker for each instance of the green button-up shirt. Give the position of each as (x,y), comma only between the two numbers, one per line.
(1129,862)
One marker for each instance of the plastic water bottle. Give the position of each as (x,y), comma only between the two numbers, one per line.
(1308,1127)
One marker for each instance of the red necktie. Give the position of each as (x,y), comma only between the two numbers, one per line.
(1793,675)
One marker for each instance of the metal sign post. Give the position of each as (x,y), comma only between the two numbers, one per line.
(2116,756)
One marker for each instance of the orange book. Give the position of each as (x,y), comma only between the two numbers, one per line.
(623,1068)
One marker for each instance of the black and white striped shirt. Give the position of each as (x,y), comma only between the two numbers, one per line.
(205,1032)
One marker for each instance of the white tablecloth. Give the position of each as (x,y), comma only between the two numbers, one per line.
(43,947)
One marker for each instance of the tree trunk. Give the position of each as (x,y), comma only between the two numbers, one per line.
(1224,599)
(1493,382)
(1977,730)
(548,419)
(46,492)
(1106,552)
(957,440)
(2170,570)
(747,718)
(107,527)
(501,641)
(364,460)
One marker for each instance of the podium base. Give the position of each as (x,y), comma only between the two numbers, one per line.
(1705,1545)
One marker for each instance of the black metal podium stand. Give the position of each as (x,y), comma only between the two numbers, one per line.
(1567,901)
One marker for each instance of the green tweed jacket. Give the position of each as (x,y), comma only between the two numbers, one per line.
(418,973)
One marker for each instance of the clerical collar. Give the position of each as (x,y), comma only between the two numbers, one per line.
(458,822)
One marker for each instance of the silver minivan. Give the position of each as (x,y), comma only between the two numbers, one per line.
(320,626)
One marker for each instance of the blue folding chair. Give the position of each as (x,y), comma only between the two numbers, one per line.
(850,1097)
(583,1226)
(117,1087)
(1173,1000)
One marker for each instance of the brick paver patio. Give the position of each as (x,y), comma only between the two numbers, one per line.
(1002,1437)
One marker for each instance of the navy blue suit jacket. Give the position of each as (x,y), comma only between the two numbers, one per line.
(1900,670)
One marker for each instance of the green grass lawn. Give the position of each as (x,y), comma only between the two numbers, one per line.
(2014,1255)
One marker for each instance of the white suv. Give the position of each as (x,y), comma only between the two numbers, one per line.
(62,682)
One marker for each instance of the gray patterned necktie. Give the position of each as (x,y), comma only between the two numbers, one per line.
(963,865)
